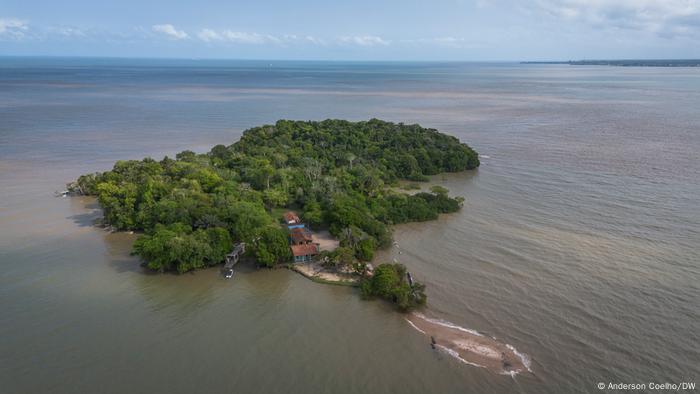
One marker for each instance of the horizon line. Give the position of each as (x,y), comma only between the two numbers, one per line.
(340,60)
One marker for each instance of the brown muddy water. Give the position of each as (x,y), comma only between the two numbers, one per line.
(575,256)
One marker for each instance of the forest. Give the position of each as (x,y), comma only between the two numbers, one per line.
(337,174)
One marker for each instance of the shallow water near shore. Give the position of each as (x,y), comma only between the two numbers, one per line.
(577,244)
(471,347)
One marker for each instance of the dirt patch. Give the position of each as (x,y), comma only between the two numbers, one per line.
(314,270)
(325,240)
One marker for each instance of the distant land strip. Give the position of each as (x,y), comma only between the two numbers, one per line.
(627,63)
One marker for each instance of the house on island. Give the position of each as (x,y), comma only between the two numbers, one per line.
(301,240)
(305,252)
(300,236)
(292,220)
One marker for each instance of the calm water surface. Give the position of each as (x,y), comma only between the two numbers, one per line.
(578,243)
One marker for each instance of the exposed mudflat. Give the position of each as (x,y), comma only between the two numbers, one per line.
(470,346)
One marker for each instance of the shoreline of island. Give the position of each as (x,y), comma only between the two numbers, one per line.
(625,62)
(201,210)
(259,199)
(316,273)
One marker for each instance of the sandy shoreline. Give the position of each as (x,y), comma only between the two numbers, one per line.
(466,345)
(470,346)
(316,272)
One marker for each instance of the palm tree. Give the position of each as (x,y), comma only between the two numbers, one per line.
(350,157)
(350,236)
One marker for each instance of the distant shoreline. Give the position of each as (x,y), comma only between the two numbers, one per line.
(626,63)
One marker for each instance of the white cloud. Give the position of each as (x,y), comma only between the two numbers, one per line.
(208,35)
(663,17)
(170,31)
(240,37)
(365,41)
(447,42)
(13,28)
(291,38)
(67,31)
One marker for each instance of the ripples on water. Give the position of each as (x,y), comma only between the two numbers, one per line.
(577,244)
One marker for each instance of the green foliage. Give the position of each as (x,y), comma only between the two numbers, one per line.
(312,213)
(364,250)
(220,243)
(343,256)
(275,198)
(245,219)
(396,150)
(389,282)
(348,210)
(86,184)
(336,170)
(119,204)
(272,247)
(178,247)
(383,281)
(439,190)
(402,208)
(441,202)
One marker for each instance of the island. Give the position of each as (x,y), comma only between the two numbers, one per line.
(626,62)
(265,193)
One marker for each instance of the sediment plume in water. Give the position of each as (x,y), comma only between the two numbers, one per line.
(470,346)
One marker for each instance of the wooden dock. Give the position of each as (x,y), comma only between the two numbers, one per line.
(233,258)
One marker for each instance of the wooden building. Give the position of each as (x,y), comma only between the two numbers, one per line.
(300,236)
(305,252)
(291,218)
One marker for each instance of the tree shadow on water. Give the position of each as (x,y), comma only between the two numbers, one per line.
(87,211)
(88,219)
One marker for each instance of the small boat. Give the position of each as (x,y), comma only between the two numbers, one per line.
(228,274)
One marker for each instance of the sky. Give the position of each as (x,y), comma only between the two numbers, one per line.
(463,30)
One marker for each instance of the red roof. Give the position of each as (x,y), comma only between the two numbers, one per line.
(299,235)
(304,250)
(291,217)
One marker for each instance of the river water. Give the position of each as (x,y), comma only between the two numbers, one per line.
(577,244)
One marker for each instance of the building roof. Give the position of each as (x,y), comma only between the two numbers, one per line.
(291,217)
(304,250)
(300,235)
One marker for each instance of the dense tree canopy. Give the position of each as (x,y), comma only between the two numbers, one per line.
(192,208)
(391,283)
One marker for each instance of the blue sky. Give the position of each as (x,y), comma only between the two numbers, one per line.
(354,30)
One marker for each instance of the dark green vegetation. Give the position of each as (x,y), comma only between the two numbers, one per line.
(390,282)
(629,62)
(335,173)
